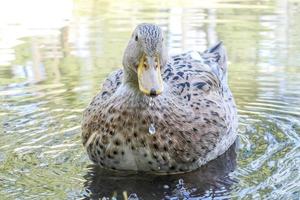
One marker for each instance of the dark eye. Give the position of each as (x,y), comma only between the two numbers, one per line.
(136,38)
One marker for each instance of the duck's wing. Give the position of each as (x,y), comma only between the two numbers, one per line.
(199,85)
(90,120)
(111,84)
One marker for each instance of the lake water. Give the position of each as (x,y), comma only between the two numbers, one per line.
(55,54)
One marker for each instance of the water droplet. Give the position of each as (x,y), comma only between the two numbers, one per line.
(180,181)
(133,196)
(151,102)
(152,129)
(166,187)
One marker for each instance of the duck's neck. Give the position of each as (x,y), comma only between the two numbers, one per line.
(130,88)
(130,78)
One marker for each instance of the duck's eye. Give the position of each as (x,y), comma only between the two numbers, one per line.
(136,38)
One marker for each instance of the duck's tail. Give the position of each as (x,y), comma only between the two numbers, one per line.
(218,55)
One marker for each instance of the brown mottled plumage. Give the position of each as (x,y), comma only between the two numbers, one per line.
(195,116)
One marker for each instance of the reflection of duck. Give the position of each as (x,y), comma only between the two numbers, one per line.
(210,179)
(193,111)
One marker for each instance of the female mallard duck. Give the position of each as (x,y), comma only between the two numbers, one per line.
(168,122)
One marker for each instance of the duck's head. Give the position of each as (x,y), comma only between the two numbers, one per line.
(144,58)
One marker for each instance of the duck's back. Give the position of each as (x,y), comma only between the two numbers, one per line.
(195,76)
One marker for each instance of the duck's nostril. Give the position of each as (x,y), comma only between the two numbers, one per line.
(153,92)
(145,64)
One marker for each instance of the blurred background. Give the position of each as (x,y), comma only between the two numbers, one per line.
(55,54)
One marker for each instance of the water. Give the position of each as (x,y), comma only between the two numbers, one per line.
(51,65)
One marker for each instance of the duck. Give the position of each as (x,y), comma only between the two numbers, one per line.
(161,114)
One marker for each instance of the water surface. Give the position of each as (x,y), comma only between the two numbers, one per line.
(55,54)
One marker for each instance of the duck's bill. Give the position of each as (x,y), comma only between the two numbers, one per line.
(149,76)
